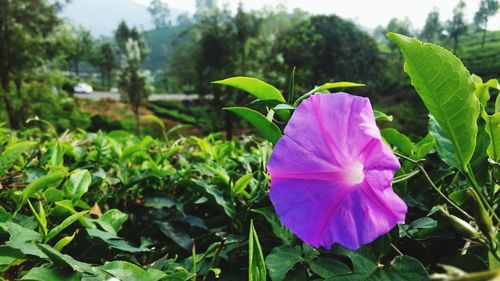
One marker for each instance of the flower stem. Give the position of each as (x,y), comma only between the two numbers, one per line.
(421,167)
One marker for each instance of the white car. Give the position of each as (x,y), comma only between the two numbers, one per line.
(83,88)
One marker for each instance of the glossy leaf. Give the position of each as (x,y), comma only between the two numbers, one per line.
(259,121)
(39,184)
(112,220)
(253,86)
(52,274)
(400,141)
(446,88)
(493,129)
(281,260)
(64,224)
(380,116)
(78,184)
(256,263)
(11,154)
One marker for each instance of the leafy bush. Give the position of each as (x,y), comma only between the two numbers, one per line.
(92,206)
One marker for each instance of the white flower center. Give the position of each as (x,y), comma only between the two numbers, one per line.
(354,174)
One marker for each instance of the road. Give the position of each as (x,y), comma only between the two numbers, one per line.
(154,97)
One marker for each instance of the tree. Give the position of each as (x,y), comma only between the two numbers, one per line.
(80,45)
(399,26)
(457,26)
(122,35)
(329,48)
(24,28)
(487,8)
(133,83)
(433,28)
(104,58)
(205,8)
(160,12)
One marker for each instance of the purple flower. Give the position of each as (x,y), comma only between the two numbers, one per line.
(331,174)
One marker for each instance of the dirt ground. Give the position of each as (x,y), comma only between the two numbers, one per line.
(120,111)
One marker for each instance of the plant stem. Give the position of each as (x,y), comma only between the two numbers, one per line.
(421,167)
(480,194)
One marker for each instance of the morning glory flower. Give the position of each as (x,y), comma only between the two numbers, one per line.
(331,174)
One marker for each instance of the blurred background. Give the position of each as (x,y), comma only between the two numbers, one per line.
(103,64)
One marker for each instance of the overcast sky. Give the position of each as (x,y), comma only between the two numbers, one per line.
(368,13)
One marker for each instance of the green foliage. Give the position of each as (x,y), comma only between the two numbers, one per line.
(256,265)
(266,127)
(446,88)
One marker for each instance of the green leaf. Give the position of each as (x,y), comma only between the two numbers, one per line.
(278,230)
(366,267)
(242,183)
(497,103)
(63,242)
(64,224)
(326,268)
(78,184)
(216,196)
(493,130)
(52,274)
(281,260)
(446,88)
(65,260)
(53,179)
(159,202)
(424,146)
(112,220)
(380,116)
(325,87)
(253,86)
(124,270)
(334,85)
(482,90)
(256,264)
(155,119)
(444,145)
(40,217)
(400,141)
(114,241)
(259,121)
(57,154)
(11,154)
(177,234)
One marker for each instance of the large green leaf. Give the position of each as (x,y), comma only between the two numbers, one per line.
(64,260)
(78,184)
(253,86)
(493,130)
(52,274)
(57,154)
(278,229)
(112,220)
(43,182)
(259,121)
(124,270)
(256,264)
(400,141)
(216,196)
(366,267)
(11,154)
(64,224)
(445,86)
(114,241)
(281,260)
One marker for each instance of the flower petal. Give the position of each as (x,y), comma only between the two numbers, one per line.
(331,174)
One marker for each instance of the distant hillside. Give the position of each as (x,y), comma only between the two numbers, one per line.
(483,61)
(159,42)
(103,16)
